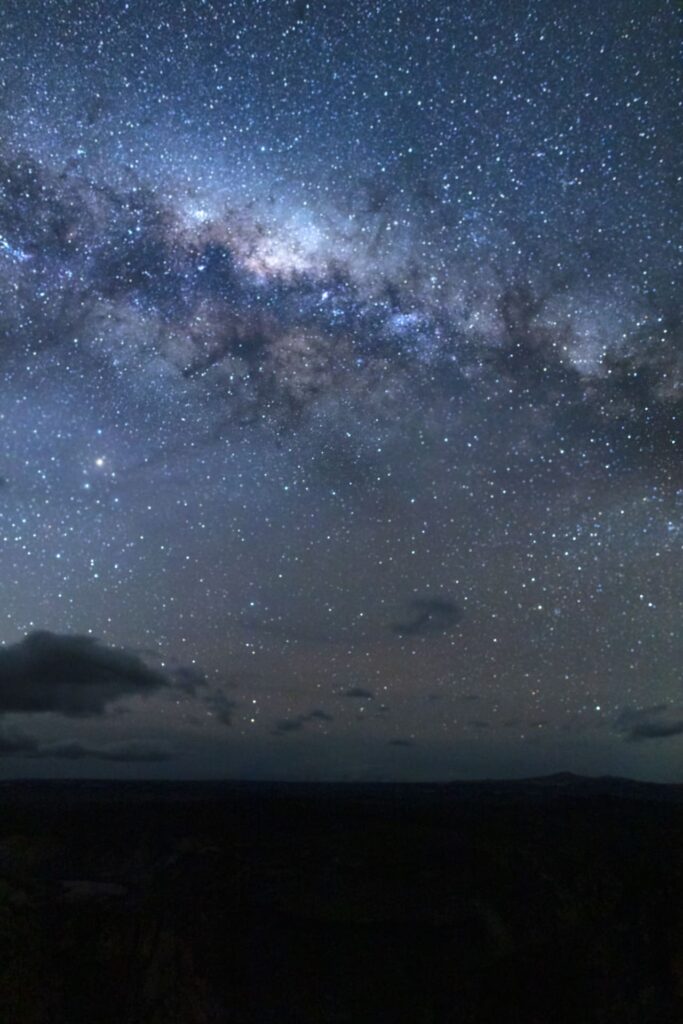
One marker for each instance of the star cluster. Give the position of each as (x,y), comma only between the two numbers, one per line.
(341,375)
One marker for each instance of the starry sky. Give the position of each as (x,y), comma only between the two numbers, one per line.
(340,389)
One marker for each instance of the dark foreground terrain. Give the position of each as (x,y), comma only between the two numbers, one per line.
(556,900)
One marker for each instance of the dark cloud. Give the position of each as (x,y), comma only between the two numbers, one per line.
(14,744)
(359,692)
(479,723)
(318,715)
(656,730)
(220,706)
(286,725)
(131,752)
(429,615)
(401,742)
(188,679)
(71,675)
(660,721)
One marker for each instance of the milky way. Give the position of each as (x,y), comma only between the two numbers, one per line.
(341,376)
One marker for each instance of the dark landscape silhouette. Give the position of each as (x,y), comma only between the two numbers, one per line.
(558,898)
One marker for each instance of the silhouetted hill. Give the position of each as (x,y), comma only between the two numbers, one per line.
(558,898)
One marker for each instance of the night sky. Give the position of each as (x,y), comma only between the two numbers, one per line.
(340,389)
